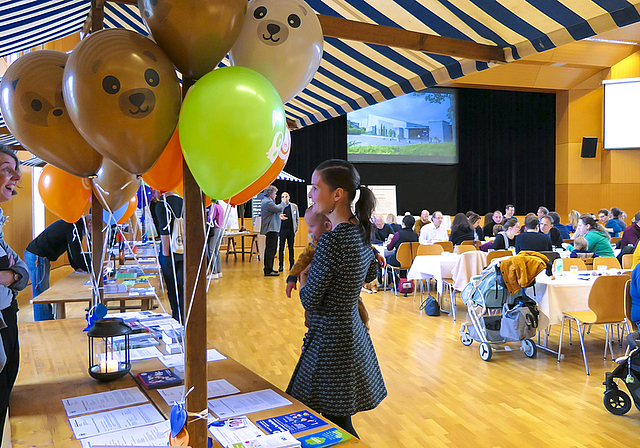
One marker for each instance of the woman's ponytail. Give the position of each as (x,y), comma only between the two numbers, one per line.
(364,210)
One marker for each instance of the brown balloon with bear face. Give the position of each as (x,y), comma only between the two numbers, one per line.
(123,95)
(35,113)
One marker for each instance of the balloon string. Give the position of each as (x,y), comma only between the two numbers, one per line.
(173,264)
(193,293)
(94,285)
(147,206)
(218,243)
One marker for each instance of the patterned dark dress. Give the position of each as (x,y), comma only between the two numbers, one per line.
(338,372)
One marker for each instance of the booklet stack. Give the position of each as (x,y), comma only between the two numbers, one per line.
(278,440)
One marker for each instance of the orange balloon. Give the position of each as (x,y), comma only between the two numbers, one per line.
(268,177)
(131,208)
(181,439)
(64,194)
(166,174)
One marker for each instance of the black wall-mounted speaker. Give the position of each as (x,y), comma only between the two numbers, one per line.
(589,145)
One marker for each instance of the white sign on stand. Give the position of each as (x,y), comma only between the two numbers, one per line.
(385,199)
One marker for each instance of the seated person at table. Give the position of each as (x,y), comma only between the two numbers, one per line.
(634,292)
(461,230)
(595,234)
(581,249)
(423,221)
(531,239)
(381,231)
(474,220)
(631,234)
(509,211)
(496,218)
(507,237)
(542,211)
(405,235)
(608,223)
(616,215)
(574,216)
(555,220)
(546,228)
(391,220)
(434,231)
(58,238)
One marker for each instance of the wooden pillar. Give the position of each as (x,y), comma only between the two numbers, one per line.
(97,238)
(196,331)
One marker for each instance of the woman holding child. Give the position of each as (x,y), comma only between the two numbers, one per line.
(338,373)
(597,237)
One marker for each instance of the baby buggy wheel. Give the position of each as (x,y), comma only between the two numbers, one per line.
(485,351)
(529,348)
(617,402)
(466,339)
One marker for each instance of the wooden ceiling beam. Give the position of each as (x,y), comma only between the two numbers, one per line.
(410,40)
(400,38)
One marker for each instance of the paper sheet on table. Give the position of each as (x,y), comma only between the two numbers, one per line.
(215,388)
(136,354)
(116,420)
(177,360)
(150,435)
(247,403)
(102,401)
(243,429)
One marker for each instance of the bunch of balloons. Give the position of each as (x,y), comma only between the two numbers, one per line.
(112,110)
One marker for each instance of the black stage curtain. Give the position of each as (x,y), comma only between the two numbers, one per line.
(419,186)
(507,150)
(310,146)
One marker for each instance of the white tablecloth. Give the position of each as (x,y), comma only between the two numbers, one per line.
(459,267)
(566,293)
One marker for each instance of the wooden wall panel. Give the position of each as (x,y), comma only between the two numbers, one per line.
(585,113)
(562,164)
(624,165)
(583,171)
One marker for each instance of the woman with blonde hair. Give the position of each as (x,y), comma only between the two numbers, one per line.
(574,216)
(393,223)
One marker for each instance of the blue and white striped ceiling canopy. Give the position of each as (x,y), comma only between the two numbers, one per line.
(354,74)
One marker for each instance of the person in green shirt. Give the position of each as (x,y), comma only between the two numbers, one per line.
(596,235)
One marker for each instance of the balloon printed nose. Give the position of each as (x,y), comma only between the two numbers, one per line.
(137,99)
(57,112)
(273,28)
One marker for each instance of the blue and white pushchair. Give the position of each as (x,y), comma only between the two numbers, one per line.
(497,317)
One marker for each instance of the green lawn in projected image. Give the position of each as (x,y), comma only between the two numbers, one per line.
(416,149)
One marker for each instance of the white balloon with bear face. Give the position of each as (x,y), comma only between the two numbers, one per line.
(282,40)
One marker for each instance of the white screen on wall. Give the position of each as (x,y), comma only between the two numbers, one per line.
(621,118)
(418,127)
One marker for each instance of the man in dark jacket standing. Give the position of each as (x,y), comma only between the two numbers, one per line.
(270,214)
(58,238)
(288,228)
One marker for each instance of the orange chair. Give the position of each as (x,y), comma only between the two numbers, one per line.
(464,248)
(447,246)
(497,254)
(616,239)
(627,261)
(609,262)
(405,255)
(606,307)
(470,243)
(568,262)
(430,249)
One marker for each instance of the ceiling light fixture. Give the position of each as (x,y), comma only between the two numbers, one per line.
(611,41)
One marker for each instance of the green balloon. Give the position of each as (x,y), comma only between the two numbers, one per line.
(231,127)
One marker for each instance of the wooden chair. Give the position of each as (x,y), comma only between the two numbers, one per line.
(467,243)
(606,307)
(430,249)
(616,239)
(405,254)
(497,254)
(568,262)
(569,241)
(551,255)
(447,246)
(627,261)
(464,248)
(609,262)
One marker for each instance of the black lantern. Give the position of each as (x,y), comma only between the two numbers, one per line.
(109,356)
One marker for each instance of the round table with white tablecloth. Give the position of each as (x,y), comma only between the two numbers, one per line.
(459,267)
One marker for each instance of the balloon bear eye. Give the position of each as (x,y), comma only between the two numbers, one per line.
(294,21)
(36,105)
(151,76)
(110,84)
(260,12)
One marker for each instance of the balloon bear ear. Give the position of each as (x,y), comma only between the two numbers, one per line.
(177,418)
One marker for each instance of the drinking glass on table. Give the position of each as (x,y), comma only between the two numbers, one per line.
(574,270)
(602,270)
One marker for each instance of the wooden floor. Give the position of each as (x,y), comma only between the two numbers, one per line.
(441,394)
